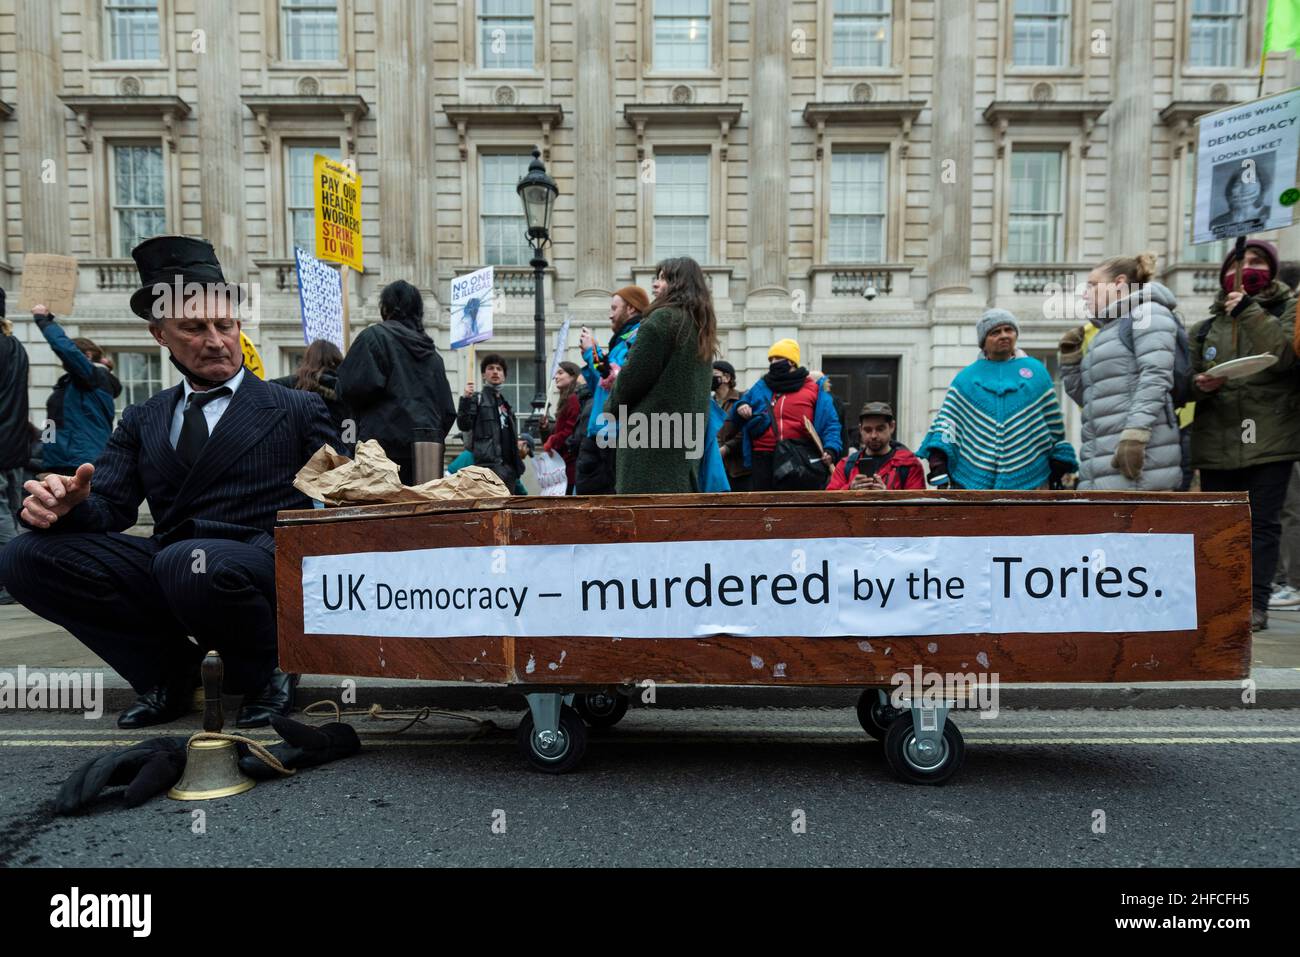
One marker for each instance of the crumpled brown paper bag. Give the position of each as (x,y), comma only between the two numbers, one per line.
(373,478)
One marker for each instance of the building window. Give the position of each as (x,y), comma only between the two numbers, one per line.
(1212,252)
(292,359)
(1035,228)
(860,33)
(519,386)
(310,29)
(681,205)
(300,192)
(1041,33)
(131,30)
(505,30)
(681,35)
(502,228)
(858,192)
(140,374)
(139,203)
(1217,34)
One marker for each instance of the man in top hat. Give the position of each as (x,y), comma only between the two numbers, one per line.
(215,457)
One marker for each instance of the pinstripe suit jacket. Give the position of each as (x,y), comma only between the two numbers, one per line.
(243,476)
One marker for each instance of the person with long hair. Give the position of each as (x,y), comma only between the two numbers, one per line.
(317,372)
(667,375)
(394,380)
(567,377)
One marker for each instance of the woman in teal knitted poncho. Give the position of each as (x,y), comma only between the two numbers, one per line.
(1000,425)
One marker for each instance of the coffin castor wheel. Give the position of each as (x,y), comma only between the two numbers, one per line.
(920,759)
(554,752)
(601,709)
(875,713)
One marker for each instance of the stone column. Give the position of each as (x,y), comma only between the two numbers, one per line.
(220,119)
(769,152)
(1128,128)
(404,108)
(952,138)
(41,118)
(594,119)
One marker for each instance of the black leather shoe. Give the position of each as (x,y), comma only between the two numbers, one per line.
(161,704)
(275,700)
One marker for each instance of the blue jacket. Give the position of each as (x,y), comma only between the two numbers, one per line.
(81,406)
(618,349)
(759,398)
(712,475)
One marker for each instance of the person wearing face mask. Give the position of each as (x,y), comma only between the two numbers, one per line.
(730,440)
(1123,381)
(1246,433)
(775,410)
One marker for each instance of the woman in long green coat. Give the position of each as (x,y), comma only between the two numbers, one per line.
(662,392)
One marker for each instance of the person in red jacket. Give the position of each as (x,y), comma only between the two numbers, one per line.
(566,420)
(882,463)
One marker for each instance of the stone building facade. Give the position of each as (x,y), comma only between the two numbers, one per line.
(950,154)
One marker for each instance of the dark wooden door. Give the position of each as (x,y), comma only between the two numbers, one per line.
(856,380)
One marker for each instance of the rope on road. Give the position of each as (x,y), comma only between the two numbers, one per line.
(326,707)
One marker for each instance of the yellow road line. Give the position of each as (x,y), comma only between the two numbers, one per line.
(398,741)
(980,727)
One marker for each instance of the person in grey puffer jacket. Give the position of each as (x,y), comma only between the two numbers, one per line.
(1130,427)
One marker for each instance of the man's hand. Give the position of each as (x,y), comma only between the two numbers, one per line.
(1208,383)
(1233,298)
(867,483)
(585,339)
(469,389)
(40,310)
(827,458)
(744,411)
(56,496)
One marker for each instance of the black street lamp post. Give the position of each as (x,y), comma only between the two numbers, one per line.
(538,191)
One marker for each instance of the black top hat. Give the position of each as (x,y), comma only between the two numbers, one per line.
(164,259)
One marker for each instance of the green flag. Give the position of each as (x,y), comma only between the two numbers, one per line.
(1282,29)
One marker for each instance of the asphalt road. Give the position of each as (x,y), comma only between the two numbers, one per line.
(703,787)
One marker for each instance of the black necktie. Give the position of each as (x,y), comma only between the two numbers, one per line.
(194,426)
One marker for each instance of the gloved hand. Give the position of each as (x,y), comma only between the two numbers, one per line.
(1071,347)
(1059,470)
(303,747)
(939,469)
(1131,453)
(147,769)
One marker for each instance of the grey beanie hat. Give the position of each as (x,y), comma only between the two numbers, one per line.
(991,320)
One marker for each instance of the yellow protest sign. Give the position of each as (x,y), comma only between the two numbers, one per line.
(338,212)
(252,361)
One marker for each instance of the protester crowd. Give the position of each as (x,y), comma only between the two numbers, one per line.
(215,457)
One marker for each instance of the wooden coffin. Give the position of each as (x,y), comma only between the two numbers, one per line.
(1217,648)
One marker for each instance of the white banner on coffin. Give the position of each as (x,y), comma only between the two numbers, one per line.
(813,588)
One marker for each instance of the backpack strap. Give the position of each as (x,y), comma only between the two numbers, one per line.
(1126,333)
(849,465)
